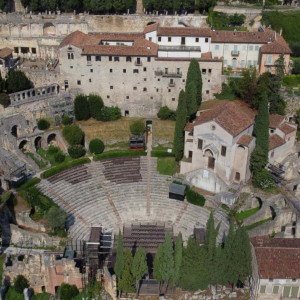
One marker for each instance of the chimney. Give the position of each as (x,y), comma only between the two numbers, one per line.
(234,32)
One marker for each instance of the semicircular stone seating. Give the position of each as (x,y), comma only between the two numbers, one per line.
(113,192)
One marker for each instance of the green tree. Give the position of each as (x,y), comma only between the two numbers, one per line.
(20,283)
(43,124)
(262,122)
(166,113)
(194,75)
(158,261)
(56,218)
(129,4)
(191,100)
(177,260)
(12,294)
(139,267)
(4,100)
(167,269)
(81,108)
(76,151)
(97,6)
(138,127)
(148,5)
(247,85)
(73,134)
(66,120)
(119,5)
(280,66)
(96,146)
(296,67)
(95,106)
(177,5)
(188,5)
(108,5)
(17,81)
(68,291)
(220,265)
(120,259)
(181,117)
(258,160)
(127,282)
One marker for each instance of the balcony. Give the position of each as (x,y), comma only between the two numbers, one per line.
(269,64)
(235,53)
(179,48)
(168,74)
(171,84)
(138,63)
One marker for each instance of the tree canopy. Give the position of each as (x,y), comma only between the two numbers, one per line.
(17,81)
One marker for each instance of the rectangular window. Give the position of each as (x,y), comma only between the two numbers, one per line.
(145,79)
(275,289)
(91,70)
(209,71)
(286,291)
(200,144)
(226,47)
(135,70)
(169,39)
(244,48)
(33,50)
(150,39)
(124,70)
(107,96)
(225,62)
(178,71)
(243,63)
(145,89)
(110,58)
(128,58)
(295,290)
(270,59)
(256,48)
(254,63)
(111,87)
(251,48)
(145,69)
(197,40)
(207,92)
(16,50)
(149,59)
(217,47)
(223,150)
(78,82)
(262,289)
(90,80)
(110,70)
(203,71)
(159,38)
(173,99)
(134,88)
(206,40)
(98,58)
(249,63)
(88,58)
(116,58)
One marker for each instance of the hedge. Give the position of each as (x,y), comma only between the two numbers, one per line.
(158,153)
(195,198)
(31,182)
(113,153)
(291,80)
(65,166)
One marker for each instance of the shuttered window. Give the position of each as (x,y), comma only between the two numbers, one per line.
(262,289)
(275,289)
(295,290)
(286,291)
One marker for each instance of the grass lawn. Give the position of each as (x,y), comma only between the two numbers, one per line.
(44,153)
(247,213)
(119,131)
(2,260)
(166,165)
(40,163)
(251,226)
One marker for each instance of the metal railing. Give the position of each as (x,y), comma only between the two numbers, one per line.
(235,53)
(179,48)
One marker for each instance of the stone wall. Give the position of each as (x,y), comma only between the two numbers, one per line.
(110,283)
(23,219)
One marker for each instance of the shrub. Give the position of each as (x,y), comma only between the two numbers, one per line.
(263,180)
(73,134)
(76,151)
(165,113)
(137,127)
(296,67)
(12,294)
(291,80)
(4,100)
(59,157)
(66,120)
(110,113)
(52,149)
(195,198)
(81,108)
(17,81)
(116,153)
(65,166)
(95,106)
(43,124)
(20,283)
(41,296)
(68,291)
(226,93)
(31,182)
(96,146)
(56,218)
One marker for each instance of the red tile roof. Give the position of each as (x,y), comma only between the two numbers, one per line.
(184,31)
(276,120)
(286,128)
(228,116)
(91,43)
(245,140)
(278,46)
(275,141)
(189,127)
(277,258)
(151,28)
(4,52)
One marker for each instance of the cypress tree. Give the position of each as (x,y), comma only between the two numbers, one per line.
(191,100)
(120,259)
(81,108)
(167,268)
(262,123)
(280,66)
(158,261)
(258,160)
(181,116)
(177,5)
(139,267)
(127,283)
(194,75)
(177,260)
(220,266)
(119,5)
(95,106)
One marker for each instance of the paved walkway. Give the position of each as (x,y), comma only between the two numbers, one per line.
(149,149)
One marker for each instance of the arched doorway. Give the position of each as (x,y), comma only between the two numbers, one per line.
(14,131)
(49,29)
(38,143)
(23,146)
(211,160)
(51,139)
